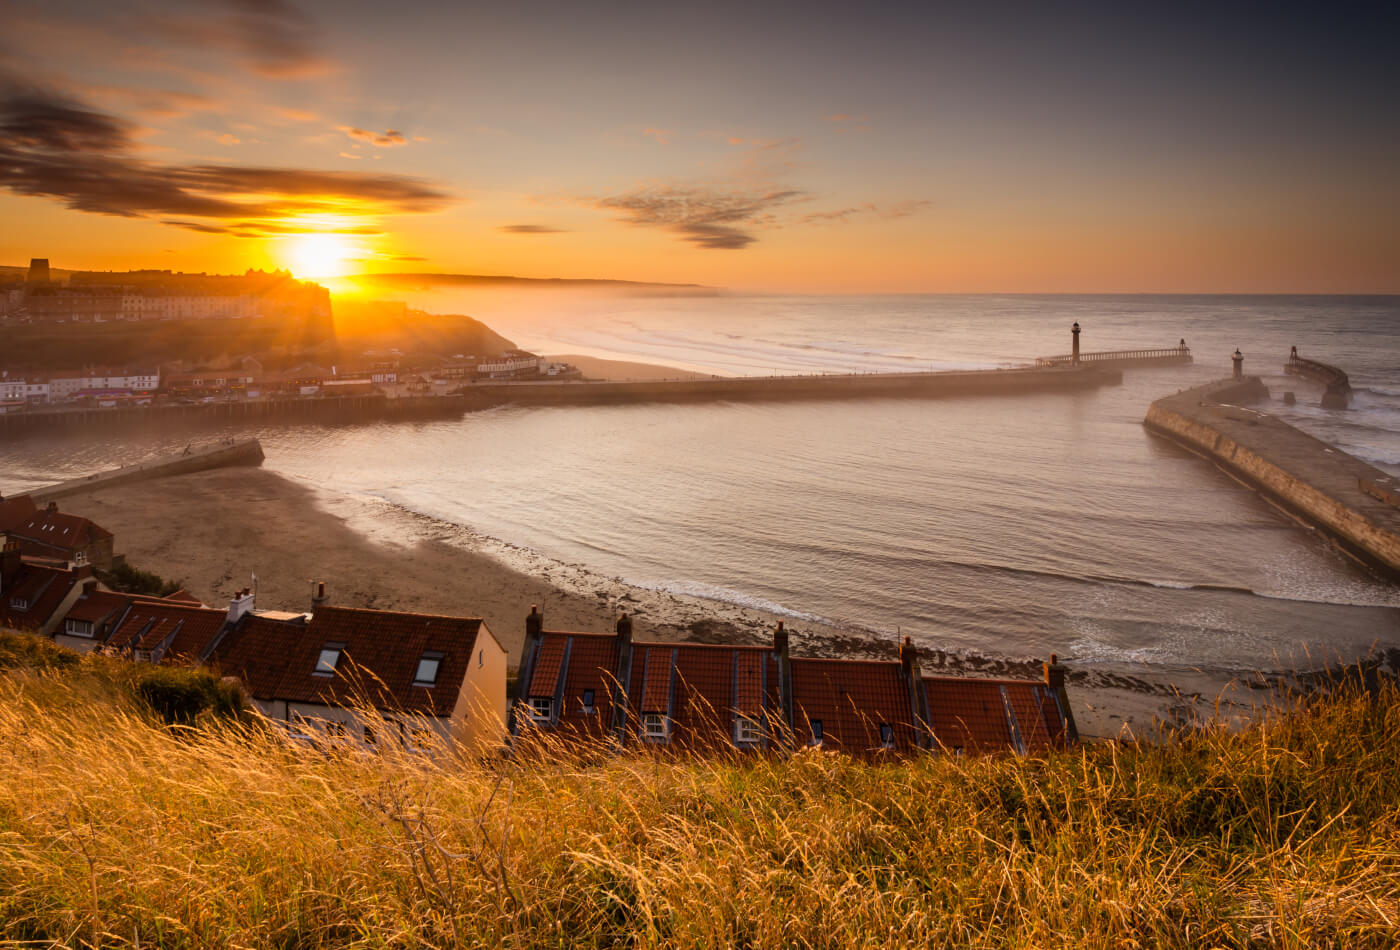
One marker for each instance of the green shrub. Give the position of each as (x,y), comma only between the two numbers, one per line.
(28,651)
(131,580)
(182,695)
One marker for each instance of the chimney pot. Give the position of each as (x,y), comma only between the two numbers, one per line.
(780,639)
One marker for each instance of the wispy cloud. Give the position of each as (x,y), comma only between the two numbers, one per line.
(530,229)
(901,209)
(661,136)
(706,217)
(390,138)
(276,37)
(57,147)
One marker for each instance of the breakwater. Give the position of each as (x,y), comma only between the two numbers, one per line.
(856,386)
(1338,392)
(376,406)
(1349,500)
(193,459)
(1175,355)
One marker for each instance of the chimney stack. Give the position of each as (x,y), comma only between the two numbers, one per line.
(319,598)
(780,639)
(52,507)
(534,622)
(918,696)
(10,563)
(1055,682)
(240,605)
(624,629)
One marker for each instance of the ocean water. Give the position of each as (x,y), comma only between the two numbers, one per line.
(1006,525)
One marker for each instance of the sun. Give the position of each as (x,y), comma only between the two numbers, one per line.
(320,255)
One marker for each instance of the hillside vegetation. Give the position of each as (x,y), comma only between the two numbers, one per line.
(116,829)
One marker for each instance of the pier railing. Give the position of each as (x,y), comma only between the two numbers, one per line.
(1175,354)
(1333,377)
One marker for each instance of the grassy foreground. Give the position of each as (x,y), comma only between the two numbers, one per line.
(116,829)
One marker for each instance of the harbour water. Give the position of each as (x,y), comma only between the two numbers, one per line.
(1005,525)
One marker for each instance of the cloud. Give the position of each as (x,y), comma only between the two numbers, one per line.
(351,155)
(227,139)
(391,138)
(902,209)
(406,257)
(276,37)
(705,217)
(662,136)
(530,229)
(55,147)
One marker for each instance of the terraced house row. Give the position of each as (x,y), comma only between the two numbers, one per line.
(349,675)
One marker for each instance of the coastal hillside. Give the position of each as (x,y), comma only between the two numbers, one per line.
(215,833)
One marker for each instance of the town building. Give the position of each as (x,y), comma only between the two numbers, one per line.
(621,692)
(369,676)
(51,533)
(36,593)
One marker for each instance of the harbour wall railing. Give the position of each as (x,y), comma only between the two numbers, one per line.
(1175,354)
(1338,393)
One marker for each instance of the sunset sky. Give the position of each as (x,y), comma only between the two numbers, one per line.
(810,147)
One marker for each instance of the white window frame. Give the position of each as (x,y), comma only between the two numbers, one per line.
(656,727)
(748,731)
(541,708)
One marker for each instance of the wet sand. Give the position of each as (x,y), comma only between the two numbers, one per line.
(214,530)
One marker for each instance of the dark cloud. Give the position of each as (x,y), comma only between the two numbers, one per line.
(407,257)
(530,229)
(389,139)
(55,147)
(710,219)
(902,209)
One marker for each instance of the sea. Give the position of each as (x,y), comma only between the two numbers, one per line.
(1005,525)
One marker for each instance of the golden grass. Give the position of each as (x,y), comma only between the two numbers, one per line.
(118,830)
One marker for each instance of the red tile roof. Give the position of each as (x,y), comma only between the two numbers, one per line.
(41,589)
(380,650)
(59,529)
(972,715)
(852,699)
(173,630)
(95,606)
(15,510)
(702,687)
(549,662)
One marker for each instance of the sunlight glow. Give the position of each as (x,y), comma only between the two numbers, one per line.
(320,255)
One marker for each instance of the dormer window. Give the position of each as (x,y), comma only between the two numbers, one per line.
(428,669)
(78,628)
(656,727)
(586,704)
(886,736)
(816,731)
(747,731)
(19,603)
(329,659)
(541,708)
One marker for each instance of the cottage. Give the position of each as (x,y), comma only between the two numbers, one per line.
(36,593)
(51,533)
(424,677)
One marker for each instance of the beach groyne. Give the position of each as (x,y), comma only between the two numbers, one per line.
(193,459)
(1353,502)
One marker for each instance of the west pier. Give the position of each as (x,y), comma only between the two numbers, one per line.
(1354,503)
(192,459)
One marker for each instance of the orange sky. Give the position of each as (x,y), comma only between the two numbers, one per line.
(896,149)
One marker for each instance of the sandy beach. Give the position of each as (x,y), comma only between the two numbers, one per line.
(595,367)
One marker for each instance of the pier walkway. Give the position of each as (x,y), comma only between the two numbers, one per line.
(1171,355)
(192,459)
(1338,393)
(1354,503)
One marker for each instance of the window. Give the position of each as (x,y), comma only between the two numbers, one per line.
(587,703)
(747,731)
(78,628)
(656,727)
(329,658)
(428,669)
(541,708)
(886,736)
(817,735)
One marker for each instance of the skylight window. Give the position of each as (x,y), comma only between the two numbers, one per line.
(587,703)
(816,731)
(329,658)
(886,736)
(428,669)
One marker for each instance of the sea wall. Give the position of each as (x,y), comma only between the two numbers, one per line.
(854,386)
(218,455)
(1318,483)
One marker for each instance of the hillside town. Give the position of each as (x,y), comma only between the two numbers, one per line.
(274,371)
(434,682)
